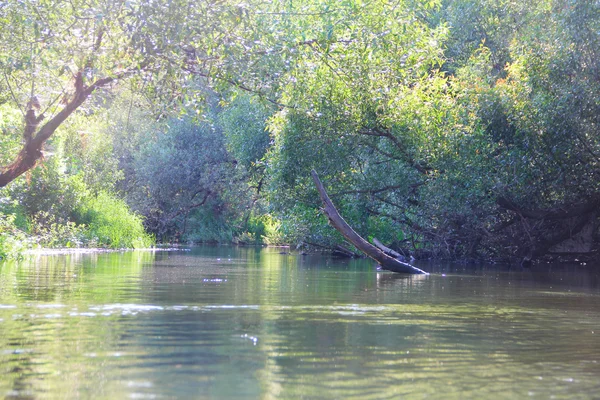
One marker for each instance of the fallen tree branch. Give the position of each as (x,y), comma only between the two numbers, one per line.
(336,220)
(388,251)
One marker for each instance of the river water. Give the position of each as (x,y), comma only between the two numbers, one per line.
(250,323)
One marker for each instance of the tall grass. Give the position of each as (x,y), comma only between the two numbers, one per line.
(110,223)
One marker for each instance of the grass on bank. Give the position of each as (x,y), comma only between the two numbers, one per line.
(99,221)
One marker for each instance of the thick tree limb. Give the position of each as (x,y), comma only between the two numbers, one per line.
(387,250)
(552,213)
(336,220)
(542,244)
(32,149)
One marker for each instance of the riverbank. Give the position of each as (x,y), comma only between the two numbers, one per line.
(65,251)
(581,260)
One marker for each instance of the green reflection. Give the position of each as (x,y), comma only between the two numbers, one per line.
(223,322)
(44,341)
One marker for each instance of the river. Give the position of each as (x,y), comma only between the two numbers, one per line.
(249,323)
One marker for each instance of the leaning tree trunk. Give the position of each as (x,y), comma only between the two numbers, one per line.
(36,136)
(336,220)
(387,250)
(35,139)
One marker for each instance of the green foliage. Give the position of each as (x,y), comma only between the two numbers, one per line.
(51,231)
(418,116)
(110,223)
(428,153)
(244,126)
(183,177)
(49,189)
(266,229)
(208,225)
(88,150)
(12,239)
(63,202)
(64,213)
(372,115)
(11,122)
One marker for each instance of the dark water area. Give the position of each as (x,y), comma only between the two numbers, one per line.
(250,323)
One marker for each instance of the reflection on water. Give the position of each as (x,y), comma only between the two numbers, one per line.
(222,322)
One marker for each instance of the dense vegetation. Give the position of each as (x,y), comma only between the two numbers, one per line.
(450,128)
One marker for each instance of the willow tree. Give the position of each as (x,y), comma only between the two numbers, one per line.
(471,125)
(54,55)
(549,107)
(370,111)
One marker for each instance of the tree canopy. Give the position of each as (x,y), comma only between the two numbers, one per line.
(454,128)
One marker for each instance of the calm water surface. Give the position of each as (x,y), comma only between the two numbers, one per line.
(246,323)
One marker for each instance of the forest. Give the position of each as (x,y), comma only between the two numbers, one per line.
(450,129)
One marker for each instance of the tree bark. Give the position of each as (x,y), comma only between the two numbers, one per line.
(388,251)
(32,149)
(336,220)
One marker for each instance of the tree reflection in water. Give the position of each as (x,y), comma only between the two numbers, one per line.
(224,322)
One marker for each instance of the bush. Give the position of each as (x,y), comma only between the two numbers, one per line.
(50,231)
(111,223)
(48,188)
(208,226)
(261,229)
(271,230)
(12,239)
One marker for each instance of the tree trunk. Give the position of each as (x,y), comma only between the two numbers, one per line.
(552,229)
(336,220)
(388,251)
(34,141)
